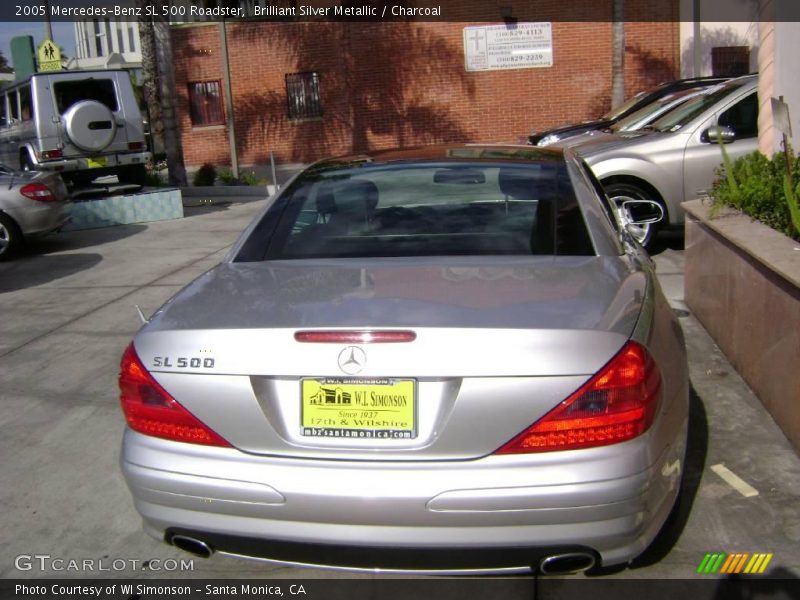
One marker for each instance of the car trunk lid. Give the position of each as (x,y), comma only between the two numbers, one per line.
(496,346)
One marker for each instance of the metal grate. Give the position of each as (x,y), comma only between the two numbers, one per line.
(205,103)
(730,61)
(302,95)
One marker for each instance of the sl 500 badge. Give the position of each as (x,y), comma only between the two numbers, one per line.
(183,362)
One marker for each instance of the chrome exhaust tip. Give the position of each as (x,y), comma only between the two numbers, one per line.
(566,564)
(192,545)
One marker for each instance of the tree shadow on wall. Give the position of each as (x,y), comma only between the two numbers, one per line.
(382,84)
(651,69)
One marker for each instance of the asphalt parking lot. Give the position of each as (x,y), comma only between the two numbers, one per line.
(68,311)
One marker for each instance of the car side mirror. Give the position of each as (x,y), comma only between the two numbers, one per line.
(634,214)
(718,134)
(640,212)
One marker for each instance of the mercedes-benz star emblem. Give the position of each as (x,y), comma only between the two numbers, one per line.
(352,359)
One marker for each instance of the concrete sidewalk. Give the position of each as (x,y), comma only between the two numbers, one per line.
(68,313)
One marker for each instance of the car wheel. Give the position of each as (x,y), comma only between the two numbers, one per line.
(620,191)
(10,237)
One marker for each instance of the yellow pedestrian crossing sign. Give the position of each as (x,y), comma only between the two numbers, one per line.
(49,56)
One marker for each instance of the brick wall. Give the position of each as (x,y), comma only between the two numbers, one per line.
(401,84)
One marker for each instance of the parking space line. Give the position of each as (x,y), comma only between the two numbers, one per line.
(733,480)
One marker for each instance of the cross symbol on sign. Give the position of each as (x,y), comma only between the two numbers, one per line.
(477,37)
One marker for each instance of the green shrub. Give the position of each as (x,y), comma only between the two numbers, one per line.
(153,178)
(206,175)
(226,177)
(758,186)
(250,178)
(245,178)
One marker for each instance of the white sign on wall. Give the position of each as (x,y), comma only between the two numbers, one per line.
(512,46)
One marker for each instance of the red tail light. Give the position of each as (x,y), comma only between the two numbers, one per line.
(38,191)
(616,405)
(135,145)
(52,154)
(149,409)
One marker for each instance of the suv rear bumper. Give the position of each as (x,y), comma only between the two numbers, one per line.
(99,164)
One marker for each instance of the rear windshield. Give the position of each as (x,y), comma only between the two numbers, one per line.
(423,209)
(69,92)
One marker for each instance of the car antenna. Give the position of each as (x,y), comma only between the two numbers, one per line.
(141,314)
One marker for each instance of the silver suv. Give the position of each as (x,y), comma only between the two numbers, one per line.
(674,158)
(81,123)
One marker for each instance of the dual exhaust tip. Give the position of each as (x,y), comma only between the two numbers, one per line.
(556,564)
(567,563)
(192,545)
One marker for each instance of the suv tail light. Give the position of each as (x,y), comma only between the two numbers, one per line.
(135,145)
(49,154)
(616,405)
(149,409)
(38,191)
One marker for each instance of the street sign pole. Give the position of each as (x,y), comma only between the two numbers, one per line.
(48,28)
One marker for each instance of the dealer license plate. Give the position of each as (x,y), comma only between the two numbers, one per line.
(359,408)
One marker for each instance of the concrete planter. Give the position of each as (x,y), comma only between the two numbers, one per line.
(742,281)
(148,204)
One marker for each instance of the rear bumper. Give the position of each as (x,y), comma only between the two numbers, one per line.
(102,164)
(496,513)
(386,559)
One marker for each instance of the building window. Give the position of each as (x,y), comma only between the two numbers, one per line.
(205,103)
(730,61)
(98,44)
(302,94)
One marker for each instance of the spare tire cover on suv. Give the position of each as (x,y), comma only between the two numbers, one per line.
(90,125)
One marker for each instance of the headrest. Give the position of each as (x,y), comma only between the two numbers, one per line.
(346,196)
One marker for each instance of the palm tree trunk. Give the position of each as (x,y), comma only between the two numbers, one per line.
(158,83)
(150,77)
(169,109)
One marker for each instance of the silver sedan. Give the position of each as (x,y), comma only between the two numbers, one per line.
(448,359)
(31,204)
(674,158)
